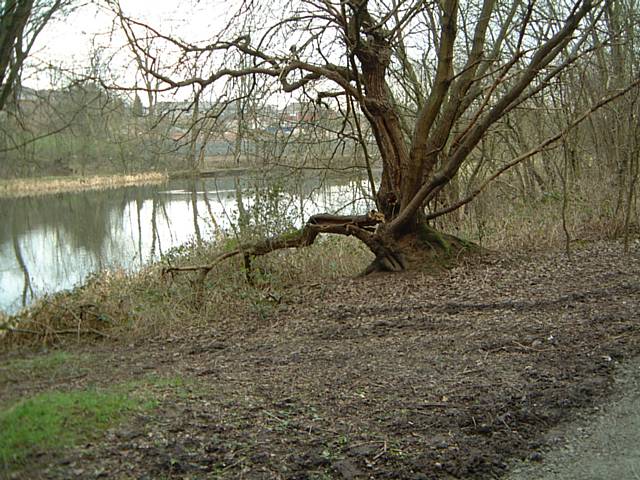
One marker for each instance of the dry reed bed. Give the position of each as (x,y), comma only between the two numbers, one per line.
(27,187)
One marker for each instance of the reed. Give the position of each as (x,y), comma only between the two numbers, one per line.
(27,187)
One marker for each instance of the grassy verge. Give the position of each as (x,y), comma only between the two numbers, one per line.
(25,187)
(51,366)
(43,364)
(54,420)
(48,422)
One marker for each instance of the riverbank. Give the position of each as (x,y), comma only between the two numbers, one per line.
(121,304)
(415,376)
(26,187)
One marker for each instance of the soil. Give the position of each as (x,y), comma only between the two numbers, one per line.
(478,372)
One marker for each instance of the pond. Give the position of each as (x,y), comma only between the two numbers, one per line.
(54,242)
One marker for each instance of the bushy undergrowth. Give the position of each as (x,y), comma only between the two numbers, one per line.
(148,302)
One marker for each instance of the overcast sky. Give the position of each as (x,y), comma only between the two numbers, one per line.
(68,41)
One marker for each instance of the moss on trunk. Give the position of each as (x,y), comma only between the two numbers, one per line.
(425,249)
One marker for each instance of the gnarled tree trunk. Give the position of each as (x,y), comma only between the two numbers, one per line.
(450,112)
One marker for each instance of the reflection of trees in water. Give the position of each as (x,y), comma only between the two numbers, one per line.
(139,204)
(54,241)
(207,203)
(27,288)
(84,222)
(155,238)
(243,216)
(87,220)
(81,219)
(161,204)
(193,187)
(88,224)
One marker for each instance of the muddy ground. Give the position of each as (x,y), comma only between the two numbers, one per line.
(461,375)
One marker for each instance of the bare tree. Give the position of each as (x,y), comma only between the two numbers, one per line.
(21,21)
(616,130)
(431,78)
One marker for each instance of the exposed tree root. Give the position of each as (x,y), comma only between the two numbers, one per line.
(389,256)
(423,249)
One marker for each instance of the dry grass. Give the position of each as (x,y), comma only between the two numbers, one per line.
(148,303)
(26,187)
(501,222)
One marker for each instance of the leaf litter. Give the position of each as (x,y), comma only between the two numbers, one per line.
(417,376)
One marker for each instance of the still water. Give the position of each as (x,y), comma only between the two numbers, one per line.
(55,242)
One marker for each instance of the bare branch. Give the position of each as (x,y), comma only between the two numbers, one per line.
(537,149)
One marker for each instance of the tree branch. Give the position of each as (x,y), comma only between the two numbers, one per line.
(539,148)
(357,225)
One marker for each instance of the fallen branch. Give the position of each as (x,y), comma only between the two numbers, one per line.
(45,333)
(359,226)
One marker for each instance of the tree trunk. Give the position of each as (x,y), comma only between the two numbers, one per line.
(378,106)
(415,243)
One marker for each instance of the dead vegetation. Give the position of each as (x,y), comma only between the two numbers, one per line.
(124,305)
(27,187)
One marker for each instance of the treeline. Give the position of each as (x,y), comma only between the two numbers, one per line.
(86,129)
(79,130)
(590,174)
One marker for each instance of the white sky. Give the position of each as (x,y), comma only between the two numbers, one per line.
(68,41)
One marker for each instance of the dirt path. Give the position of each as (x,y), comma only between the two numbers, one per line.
(404,376)
(603,445)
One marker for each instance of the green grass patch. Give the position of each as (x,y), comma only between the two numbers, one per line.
(53,420)
(52,365)
(39,364)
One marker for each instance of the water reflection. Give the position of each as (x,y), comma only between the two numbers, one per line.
(54,242)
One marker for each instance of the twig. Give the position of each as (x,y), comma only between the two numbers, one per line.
(530,348)
(382,452)
(89,331)
(7,328)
